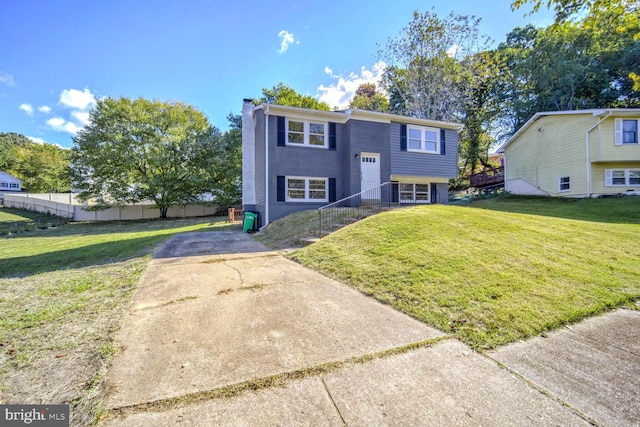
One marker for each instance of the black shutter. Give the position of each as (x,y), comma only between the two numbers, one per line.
(282,132)
(332,190)
(332,136)
(395,190)
(281,190)
(434,193)
(403,137)
(442,143)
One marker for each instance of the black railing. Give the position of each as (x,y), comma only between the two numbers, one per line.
(359,206)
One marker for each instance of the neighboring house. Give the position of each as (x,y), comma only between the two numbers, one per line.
(297,159)
(582,153)
(9,182)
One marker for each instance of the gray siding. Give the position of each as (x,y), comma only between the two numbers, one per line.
(302,161)
(369,137)
(422,164)
(261,199)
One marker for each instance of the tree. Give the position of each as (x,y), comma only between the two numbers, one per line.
(133,151)
(368,98)
(42,168)
(285,95)
(426,76)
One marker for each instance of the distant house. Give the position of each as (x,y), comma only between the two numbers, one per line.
(297,159)
(9,182)
(582,153)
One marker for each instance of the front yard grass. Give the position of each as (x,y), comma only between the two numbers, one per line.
(63,292)
(494,271)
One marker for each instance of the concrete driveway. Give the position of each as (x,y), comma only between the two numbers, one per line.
(225,331)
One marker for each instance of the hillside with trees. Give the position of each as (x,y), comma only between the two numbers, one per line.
(42,168)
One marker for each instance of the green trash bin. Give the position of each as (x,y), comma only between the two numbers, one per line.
(249,221)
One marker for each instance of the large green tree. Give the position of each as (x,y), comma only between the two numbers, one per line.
(367,97)
(427,76)
(138,150)
(282,94)
(42,168)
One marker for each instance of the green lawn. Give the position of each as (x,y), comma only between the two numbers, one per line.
(15,221)
(63,292)
(496,270)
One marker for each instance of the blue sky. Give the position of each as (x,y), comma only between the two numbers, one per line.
(58,56)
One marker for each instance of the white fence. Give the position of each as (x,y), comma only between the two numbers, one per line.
(75,212)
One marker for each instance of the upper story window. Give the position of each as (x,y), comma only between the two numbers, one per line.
(307,133)
(626,131)
(14,185)
(4,185)
(423,139)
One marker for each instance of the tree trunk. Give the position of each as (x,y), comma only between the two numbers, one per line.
(163,213)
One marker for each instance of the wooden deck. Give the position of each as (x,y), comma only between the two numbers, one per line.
(488,177)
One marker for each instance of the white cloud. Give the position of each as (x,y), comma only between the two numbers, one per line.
(286,39)
(80,100)
(44,109)
(453,51)
(61,125)
(27,108)
(7,79)
(81,116)
(36,140)
(339,94)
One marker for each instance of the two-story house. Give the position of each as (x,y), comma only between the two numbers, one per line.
(581,153)
(297,159)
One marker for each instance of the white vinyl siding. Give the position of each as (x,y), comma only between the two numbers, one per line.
(307,133)
(306,189)
(621,177)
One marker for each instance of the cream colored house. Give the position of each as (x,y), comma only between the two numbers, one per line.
(581,153)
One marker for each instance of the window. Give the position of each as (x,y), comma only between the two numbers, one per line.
(628,177)
(414,193)
(423,139)
(626,131)
(4,185)
(14,185)
(304,132)
(564,183)
(306,189)
(629,131)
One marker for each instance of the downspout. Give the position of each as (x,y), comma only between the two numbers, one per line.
(266,166)
(588,154)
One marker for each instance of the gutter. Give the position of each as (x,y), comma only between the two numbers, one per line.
(588,157)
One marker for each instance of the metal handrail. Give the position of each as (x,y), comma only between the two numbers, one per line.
(357,206)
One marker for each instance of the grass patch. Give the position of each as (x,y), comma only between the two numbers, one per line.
(287,232)
(63,292)
(16,221)
(494,271)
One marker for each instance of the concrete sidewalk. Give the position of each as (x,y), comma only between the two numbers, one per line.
(217,315)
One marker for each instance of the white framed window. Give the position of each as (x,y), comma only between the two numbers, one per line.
(621,177)
(626,131)
(4,185)
(414,193)
(423,139)
(307,133)
(14,185)
(564,183)
(306,189)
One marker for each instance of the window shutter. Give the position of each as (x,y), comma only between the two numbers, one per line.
(332,136)
(281,190)
(332,190)
(403,137)
(395,197)
(443,145)
(608,176)
(618,128)
(282,132)
(434,193)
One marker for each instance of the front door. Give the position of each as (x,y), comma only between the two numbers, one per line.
(369,171)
